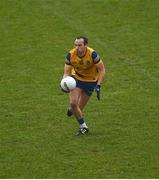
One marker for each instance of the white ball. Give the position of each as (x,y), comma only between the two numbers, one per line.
(68,83)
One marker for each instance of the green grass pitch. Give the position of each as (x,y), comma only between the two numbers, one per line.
(36,137)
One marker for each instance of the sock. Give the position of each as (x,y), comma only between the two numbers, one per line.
(82,123)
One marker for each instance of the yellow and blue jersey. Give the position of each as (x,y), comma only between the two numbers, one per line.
(84,68)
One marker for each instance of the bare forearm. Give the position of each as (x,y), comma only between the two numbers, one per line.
(101,77)
(67,70)
(102,72)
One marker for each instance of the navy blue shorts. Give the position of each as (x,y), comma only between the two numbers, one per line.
(88,87)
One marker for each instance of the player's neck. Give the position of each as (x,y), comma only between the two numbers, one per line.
(82,53)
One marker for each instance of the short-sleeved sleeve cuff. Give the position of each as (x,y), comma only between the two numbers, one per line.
(68,57)
(95,57)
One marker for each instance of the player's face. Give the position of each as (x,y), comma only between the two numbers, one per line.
(79,45)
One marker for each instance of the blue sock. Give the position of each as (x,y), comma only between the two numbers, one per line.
(81,121)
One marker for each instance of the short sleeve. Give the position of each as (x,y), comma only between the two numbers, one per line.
(68,57)
(95,57)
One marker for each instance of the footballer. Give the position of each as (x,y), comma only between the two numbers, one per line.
(85,65)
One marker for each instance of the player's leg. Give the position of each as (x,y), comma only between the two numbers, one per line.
(84,96)
(74,98)
(74,104)
(83,99)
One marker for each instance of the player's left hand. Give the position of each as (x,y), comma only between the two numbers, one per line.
(97,90)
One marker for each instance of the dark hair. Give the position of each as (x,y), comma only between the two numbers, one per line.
(84,38)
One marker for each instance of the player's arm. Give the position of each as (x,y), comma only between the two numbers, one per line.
(67,67)
(101,69)
(67,70)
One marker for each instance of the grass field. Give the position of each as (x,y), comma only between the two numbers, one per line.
(36,137)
